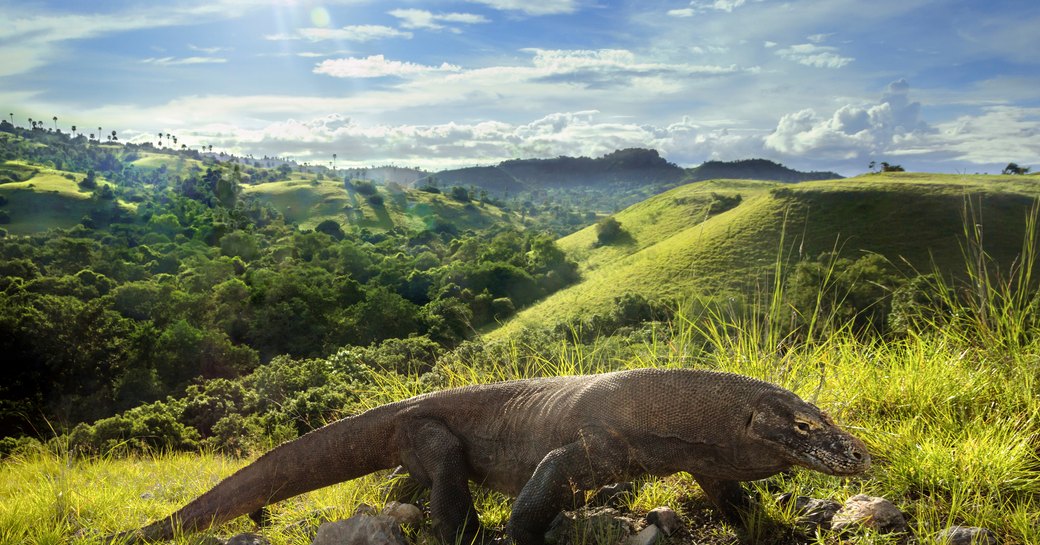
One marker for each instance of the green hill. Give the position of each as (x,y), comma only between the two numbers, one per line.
(307,201)
(698,239)
(41,198)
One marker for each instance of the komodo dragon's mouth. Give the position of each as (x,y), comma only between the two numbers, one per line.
(852,460)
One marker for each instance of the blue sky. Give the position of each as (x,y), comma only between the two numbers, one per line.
(947,86)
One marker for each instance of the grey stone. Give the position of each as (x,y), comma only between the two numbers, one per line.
(404,513)
(966,535)
(248,539)
(664,518)
(812,512)
(361,530)
(647,536)
(862,511)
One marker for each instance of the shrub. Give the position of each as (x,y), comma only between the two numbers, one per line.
(608,230)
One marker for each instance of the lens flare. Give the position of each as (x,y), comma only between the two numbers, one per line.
(320,17)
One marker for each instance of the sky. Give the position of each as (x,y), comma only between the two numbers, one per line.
(940,85)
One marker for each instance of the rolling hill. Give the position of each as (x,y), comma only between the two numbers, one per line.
(308,201)
(698,239)
(41,198)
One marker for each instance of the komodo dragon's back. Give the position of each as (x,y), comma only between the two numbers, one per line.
(538,439)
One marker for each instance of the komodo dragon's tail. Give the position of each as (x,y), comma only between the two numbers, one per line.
(341,451)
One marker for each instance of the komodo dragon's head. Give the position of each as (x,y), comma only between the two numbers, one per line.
(805,435)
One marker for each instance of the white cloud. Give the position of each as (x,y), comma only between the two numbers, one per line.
(419,18)
(819,56)
(683,12)
(173,61)
(532,7)
(353,33)
(852,130)
(377,66)
(281,37)
(207,50)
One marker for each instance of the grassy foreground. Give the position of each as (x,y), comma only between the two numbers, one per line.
(949,411)
(952,419)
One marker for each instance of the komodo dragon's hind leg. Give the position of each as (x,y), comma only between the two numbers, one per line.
(596,459)
(435,458)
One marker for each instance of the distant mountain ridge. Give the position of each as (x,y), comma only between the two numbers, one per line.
(632,166)
(755,169)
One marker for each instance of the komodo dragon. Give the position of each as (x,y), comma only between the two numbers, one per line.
(541,440)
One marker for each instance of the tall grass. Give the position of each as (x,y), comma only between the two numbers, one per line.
(950,410)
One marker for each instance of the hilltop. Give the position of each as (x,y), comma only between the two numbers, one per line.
(754,169)
(628,166)
(726,236)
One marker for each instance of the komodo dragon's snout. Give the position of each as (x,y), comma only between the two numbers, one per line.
(806,436)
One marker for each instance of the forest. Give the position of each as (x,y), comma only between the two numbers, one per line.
(171,279)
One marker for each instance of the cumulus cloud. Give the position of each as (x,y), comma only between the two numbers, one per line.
(353,33)
(377,66)
(420,18)
(851,131)
(819,56)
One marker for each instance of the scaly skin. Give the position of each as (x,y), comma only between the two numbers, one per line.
(542,439)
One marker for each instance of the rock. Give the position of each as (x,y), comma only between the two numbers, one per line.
(966,535)
(248,539)
(404,513)
(811,512)
(361,530)
(647,536)
(862,511)
(664,518)
(365,509)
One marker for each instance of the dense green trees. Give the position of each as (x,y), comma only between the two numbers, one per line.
(200,282)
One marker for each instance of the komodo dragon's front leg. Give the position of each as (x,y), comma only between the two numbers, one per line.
(435,458)
(597,459)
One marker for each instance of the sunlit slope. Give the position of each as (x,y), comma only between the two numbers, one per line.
(307,202)
(47,198)
(176,164)
(677,246)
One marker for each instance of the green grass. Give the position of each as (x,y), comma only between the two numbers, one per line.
(307,201)
(951,419)
(47,199)
(173,162)
(679,250)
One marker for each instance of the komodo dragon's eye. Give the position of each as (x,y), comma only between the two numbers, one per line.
(802,427)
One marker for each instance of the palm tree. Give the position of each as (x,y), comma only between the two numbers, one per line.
(55,123)
(73,130)
(114,135)
(99,134)
(12,118)
(33,123)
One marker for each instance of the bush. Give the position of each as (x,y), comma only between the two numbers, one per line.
(608,230)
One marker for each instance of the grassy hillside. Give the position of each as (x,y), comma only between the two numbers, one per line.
(674,244)
(177,164)
(46,198)
(309,201)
